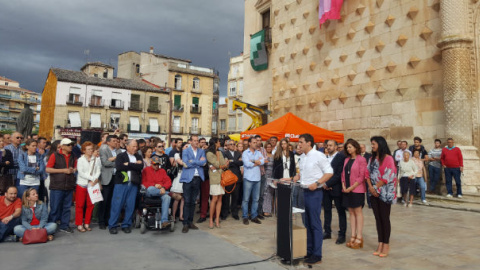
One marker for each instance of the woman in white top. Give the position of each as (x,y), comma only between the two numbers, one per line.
(407,171)
(88,167)
(176,190)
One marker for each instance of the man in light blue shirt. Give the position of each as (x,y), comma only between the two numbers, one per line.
(252,160)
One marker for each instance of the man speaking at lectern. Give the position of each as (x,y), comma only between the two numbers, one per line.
(315,170)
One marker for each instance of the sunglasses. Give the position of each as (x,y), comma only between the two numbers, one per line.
(160,146)
(19,138)
(72,144)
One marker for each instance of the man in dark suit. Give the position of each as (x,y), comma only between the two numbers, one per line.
(230,200)
(367,157)
(333,192)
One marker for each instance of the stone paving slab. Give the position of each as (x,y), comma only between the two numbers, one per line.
(422,238)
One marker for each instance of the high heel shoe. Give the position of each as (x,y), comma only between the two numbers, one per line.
(352,240)
(357,244)
(383,255)
(376,253)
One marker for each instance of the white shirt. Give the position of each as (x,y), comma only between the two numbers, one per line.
(330,158)
(132,159)
(31,179)
(313,166)
(195,154)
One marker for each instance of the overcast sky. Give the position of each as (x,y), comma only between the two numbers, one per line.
(37,35)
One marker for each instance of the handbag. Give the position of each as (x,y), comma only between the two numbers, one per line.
(35,236)
(228,179)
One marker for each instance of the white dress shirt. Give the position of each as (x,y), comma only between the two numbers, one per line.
(313,166)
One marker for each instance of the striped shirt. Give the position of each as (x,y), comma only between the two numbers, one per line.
(16,154)
(435,153)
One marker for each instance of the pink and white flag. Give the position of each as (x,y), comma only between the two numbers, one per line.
(329,10)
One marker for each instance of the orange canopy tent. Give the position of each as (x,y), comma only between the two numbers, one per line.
(292,126)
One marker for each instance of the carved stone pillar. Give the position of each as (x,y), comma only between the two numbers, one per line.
(456,45)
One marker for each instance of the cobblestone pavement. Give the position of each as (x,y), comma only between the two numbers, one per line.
(422,238)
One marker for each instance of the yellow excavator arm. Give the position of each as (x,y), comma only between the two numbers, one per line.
(253,111)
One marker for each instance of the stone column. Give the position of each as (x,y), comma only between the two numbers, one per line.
(456,45)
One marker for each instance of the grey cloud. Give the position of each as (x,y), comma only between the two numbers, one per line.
(37,35)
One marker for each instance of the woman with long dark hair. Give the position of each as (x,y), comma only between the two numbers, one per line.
(382,185)
(217,164)
(284,161)
(6,161)
(353,186)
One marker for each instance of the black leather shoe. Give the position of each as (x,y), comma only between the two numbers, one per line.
(308,256)
(313,260)
(223,218)
(102,227)
(202,219)
(126,230)
(256,220)
(245,221)
(113,231)
(340,240)
(185,229)
(327,236)
(260,217)
(192,226)
(236,217)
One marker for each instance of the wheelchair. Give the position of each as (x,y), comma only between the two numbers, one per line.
(148,214)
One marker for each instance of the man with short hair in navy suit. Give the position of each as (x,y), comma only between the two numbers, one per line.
(192,175)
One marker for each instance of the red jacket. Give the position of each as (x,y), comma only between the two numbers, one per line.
(452,158)
(150,177)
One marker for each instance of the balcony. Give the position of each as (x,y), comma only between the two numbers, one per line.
(195,131)
(102,124)
(178,89)
(114,126)
(15,109)
(154,108)
(134,131)
(4,108)
(178,108)
(177,130)
(116,104)
(7,119)
(96,101)
(31,100)
(153,132)
(195,109)
(67,124)
(4,96)
(74,100)
(215,111)
(196,90)
(135,106)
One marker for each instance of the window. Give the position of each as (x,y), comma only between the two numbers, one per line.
(116,101)
(178,82)
(222,124)
(232,123)
(6,83)
(195,129)
(240,87)
(266,26)
(74,119)
(153,104)
(74,95)
(239,122)
(153,127)
(233,91)
(105,73)
(114,120)
(214,127)
(134,123)
(135,102)
(176,124)
(196,83)
(235,71)
(96,99)
(177,102)
(195,101)
(95,120)
(95,75)
(137,68)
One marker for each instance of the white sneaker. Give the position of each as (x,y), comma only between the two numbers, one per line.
(410,205)
(425,202)
(459,196)
(449,196)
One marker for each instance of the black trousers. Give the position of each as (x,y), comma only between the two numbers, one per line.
(104,206)
(381,211)
(327,212)
(230,200)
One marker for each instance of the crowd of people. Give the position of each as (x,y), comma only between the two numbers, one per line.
(41,180)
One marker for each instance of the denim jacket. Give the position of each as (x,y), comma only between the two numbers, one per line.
(41,213)
(24,169)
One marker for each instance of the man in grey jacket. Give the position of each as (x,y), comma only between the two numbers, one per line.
(108,156)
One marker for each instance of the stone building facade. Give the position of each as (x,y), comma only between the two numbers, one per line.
(235,92)
(393,68)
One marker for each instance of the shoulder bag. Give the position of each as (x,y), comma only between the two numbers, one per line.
(35,236)
(228,179)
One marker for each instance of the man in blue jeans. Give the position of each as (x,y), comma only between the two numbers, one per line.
(434,167)
(62,166)
(252,160)
(315,170)
(192,175)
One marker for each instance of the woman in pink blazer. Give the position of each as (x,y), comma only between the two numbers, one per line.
(353,186)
